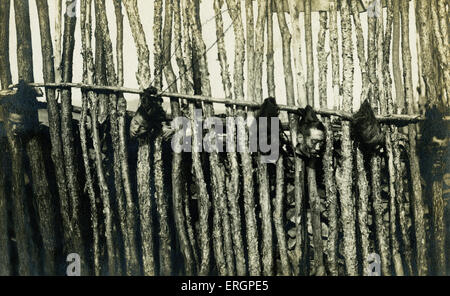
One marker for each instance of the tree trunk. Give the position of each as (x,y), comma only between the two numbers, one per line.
(330,182)
(418,206)
(264,190)
(216,174)
(233,226)
(86,23)
(429,68)
(177,195)
(5,81)
(399,108)
(345,172)
(33,147)
(390,132)
(68,140)
(203,196)
(247,170)
(300,212)
(381,233)
(437,175)
(297,49)
(95,104)
(363,185)
(58,158)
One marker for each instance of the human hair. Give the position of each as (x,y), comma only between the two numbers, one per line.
(151,109)
(310,121)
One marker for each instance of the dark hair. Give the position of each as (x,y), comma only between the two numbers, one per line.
(309,121)
(23,101)
(151,109)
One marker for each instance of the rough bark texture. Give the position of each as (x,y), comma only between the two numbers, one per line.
(309,54)
(300,212)
(396,67)
(270,61)
(5,261)
(344,173)
(218,190)
(390,132)
(363,185)
(203,196)
(264,190)
(417,200)
(49,76)
(143,74)
(330,182)
(177,193)
(33,147)
(95,116)
(428,67)
(399,108)
(381,232)
(67,132)
(233,225)
(5,81)
(247,171)
(439,233)
(297,50)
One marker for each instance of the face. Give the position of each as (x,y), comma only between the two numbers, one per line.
(311,145)
(16,124)
(138,126)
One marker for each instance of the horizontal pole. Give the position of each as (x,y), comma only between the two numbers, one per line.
(387,119)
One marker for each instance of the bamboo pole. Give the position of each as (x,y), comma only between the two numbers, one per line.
(233,226)
(300,247)
(180,219)
(397,119)
(417,199)
(5,79)
(345,172)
